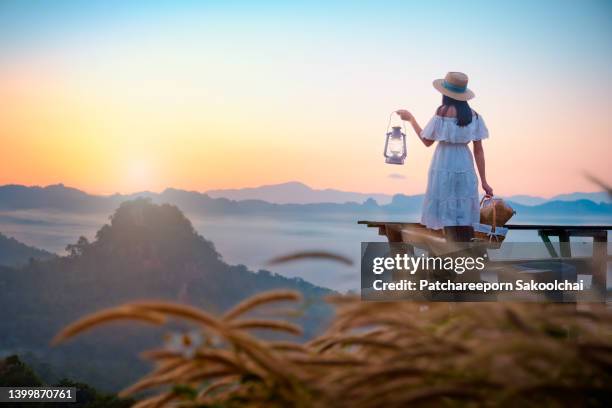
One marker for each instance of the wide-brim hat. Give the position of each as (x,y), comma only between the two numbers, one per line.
(454,85)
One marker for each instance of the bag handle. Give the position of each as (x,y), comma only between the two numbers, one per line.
(490,197)
(484,197)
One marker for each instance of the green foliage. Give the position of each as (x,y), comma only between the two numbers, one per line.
(16,254)
(89,397)
(146,251)
(15,373)
(78,249)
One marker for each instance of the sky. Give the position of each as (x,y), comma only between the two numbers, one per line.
(125,96)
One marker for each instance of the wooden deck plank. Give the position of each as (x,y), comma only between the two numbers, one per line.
(421,238)
(509,226)
(559,227)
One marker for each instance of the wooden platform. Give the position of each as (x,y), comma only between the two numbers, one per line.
(418,236)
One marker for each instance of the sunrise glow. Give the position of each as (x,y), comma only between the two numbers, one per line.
(112,97)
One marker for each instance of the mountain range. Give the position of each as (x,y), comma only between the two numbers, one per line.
(294,192)
(66,199)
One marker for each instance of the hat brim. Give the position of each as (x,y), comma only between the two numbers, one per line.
(463,96)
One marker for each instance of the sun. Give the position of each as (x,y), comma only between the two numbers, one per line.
(139,174)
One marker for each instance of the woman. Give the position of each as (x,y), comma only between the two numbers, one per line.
(451,200)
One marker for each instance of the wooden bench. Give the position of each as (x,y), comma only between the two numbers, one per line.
(416,235)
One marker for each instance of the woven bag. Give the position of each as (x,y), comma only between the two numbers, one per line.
(494,214)
(495,211)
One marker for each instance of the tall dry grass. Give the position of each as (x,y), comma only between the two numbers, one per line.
(391,354)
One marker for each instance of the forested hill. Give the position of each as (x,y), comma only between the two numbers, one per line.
(15,253)
(146,251)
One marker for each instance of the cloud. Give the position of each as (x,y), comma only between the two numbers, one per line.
(397,176)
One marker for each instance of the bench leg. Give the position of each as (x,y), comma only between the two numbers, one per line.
(600,261)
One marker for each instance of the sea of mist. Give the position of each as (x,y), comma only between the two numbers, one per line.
(252,240)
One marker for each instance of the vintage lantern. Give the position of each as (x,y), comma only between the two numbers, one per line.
(395,146)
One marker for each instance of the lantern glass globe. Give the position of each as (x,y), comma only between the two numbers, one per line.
(395,146)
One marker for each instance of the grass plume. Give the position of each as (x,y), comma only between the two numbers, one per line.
(382,354)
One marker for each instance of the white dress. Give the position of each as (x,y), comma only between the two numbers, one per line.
(452,187)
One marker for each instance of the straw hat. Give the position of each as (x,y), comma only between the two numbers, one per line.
(454,85)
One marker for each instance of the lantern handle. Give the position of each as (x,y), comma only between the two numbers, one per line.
(389,124)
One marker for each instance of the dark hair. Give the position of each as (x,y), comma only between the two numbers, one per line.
(464,112)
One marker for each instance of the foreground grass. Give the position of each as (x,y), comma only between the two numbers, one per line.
(391,354)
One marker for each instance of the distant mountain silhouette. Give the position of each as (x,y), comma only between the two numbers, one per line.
(15,253)
(598,197)
(576,208)
(299,193)
(56,196)
(146,251)
(526,199)
(296,193)
(61,198)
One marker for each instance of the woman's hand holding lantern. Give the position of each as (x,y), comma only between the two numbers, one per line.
(405,115)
